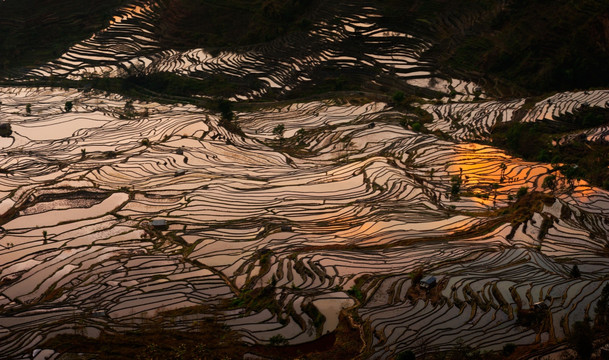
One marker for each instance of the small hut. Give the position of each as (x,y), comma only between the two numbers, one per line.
(159,224)
(428,282)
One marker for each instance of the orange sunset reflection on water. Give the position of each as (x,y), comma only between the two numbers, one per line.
(484,170)
(128,12)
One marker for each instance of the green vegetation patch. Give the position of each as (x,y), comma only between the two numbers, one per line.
(540,45)
(205,23)
(34,32)
(257,299)
(207,340)
(519,47)
(169,85)
(581,159)
(525,206)
(6,130)
(318,318)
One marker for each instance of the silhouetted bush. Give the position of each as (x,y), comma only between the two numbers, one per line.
(5,130)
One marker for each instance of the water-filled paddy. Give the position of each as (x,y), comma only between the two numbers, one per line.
(355,205)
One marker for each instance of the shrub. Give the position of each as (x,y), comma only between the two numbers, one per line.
(318,318)
(278,130)
(278,340)
(68,106)
(581,339)
(300,134)
(398,97)
(522,192)
(5,130)
(508,349)
(356,293)
(226,109)
(549,182)
(602,307)
(416,275)
(455,187)
(406,355)
(575,273)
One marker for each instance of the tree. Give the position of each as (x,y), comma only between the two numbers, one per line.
(226,110)
(575,272)
(416,275)
(398,96)
(406,355)
(128,110)
(571,173)
(522,192)
(463,351)
(5,130)
(28,108)
(581,339)
(278,130)
(502,167)
(495,187)
(278,340)
(68,106)
(508,349)
(549,182)
(455,187)
(602,307)
(300,134)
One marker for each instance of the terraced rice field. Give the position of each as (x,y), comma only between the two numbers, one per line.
(354,199)
(128,46)
(337,214)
